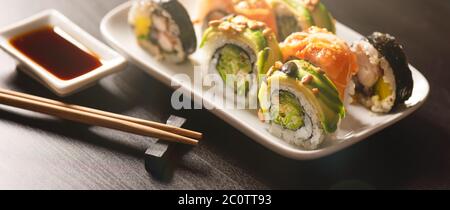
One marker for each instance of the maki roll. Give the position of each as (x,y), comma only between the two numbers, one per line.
(214,10)
(326,51)
(259,10)
(163,28)
(300,104)
(384,80)
(284,17)
(240,51)
(298,15)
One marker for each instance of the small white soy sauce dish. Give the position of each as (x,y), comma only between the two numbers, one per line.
(59,38)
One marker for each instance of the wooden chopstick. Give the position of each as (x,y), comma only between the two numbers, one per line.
(92,118)
(164,127)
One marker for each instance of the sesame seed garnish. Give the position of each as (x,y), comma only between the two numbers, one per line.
(261,24)
(316,91)
(267,31)
(307,79)
(225,26)
(278,65)
(252,25)
(214,23)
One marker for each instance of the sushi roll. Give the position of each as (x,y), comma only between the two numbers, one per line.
(284,17)
(326,51)
(384,80)
(214,10)
(163,28)
(298,15)
(300,104)
(259,10)
(240,51)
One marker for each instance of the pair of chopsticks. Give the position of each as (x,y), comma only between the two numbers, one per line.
(99,118)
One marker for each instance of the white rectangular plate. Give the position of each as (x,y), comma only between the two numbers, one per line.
(358,125)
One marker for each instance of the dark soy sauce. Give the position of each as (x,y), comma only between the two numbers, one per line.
(56,54)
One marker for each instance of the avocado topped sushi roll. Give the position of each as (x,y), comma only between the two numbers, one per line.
(298,15)
(163,28)
(327,51)
(300,104)
(240,51)
(384,80)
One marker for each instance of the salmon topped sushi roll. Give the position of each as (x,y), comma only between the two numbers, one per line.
(259,10)
(324,50)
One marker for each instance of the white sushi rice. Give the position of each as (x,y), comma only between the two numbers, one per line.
(308,137)
(350,91)
(373,66)
(167,47)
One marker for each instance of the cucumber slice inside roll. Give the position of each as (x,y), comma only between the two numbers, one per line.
(288,112)
(234,67)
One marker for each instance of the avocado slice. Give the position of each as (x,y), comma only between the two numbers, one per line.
(266,59)
(323,19)
(304,16)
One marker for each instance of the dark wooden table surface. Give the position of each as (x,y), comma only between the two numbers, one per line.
(40,152)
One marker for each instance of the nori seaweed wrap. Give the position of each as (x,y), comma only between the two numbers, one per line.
(164,28)
(384,80)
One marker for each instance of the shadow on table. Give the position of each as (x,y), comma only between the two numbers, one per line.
(411,154)
(129,146)
(95,97)
(71,130)
(137,90)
